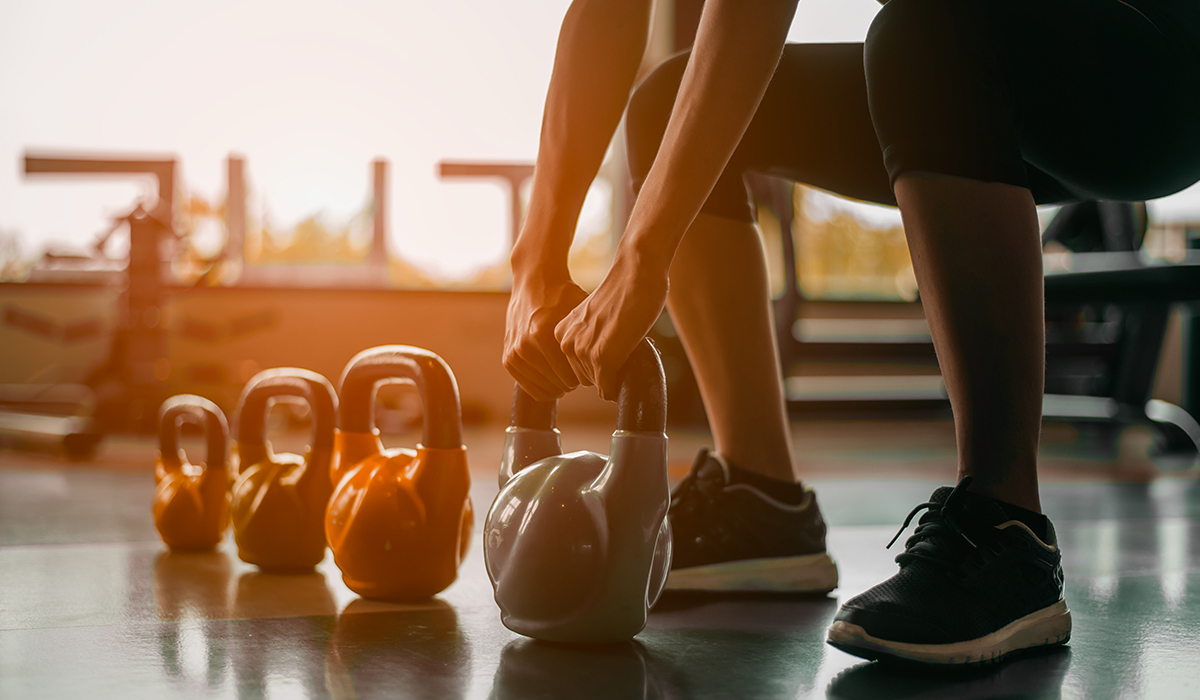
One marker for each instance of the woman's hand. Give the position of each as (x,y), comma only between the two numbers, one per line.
(599,51)
(598,336)
(531,352)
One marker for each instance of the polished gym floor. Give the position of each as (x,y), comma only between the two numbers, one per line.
(93,605)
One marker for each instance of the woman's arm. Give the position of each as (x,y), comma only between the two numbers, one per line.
(735,55)
(600,47)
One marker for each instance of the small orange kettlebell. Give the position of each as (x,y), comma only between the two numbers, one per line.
(399,521)
(191,501)
(279,499)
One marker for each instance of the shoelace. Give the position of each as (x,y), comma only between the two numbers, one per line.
(940,524)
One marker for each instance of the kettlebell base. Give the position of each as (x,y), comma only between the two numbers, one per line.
(809,573)
(287,570)
(586,633)
(281,565)
(189,548)
(394,593)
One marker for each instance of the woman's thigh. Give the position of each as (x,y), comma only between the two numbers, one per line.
(1074,99)
(1106,102)
(813,126)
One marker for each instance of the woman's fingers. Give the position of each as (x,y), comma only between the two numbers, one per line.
(533,386)
(567,334)
(538,365)
(590,348)
(600,334)
(608,379)
(531,352)
(563,372)
(529,365)
(543,353)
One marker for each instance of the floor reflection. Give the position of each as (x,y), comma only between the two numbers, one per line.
(1033,676)
(192,585)
(533,669)
(738,645)
(280,656)
(190,588)
(1128,586)
(415,651)
(1133,641)
(88,617)
(281,595)
(695,646)
(223,632)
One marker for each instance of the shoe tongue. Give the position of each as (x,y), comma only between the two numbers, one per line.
(712,471)
(941,494)
(974,506)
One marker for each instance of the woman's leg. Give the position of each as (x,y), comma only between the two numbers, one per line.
(720,303)
(739,521)
(973,130)
(813,126)
(976,252)
(983,108)
(981,576)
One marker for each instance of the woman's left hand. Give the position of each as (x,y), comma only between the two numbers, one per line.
(600,334)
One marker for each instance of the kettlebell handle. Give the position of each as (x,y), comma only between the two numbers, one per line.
(641,404)
(528,412)
(197,410)
(251,427)
(435,383)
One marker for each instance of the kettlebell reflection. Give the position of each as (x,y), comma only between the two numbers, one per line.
(192,585)
(263,635)
(410,651)
(189,589)
(740,645)
(535,669)
(267,595)
(274,651)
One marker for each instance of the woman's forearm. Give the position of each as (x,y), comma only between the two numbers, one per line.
(599,50)
(735,55)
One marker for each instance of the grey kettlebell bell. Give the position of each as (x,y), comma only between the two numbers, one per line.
(578,546)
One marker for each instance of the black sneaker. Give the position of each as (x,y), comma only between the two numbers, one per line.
(974,586)
(731,536)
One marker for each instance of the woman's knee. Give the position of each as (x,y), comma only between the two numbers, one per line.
(938,92)
(648,113)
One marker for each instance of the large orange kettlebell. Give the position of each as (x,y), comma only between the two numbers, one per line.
(578,546)
(399,521)
(191,502)
(279,499)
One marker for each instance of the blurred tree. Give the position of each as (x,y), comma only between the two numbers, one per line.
(12,266)
(840,256)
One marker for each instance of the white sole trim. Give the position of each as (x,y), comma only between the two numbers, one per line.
(1050,625)
(806,573)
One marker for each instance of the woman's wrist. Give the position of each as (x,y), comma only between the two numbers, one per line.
(544,243)
(534,262)
(649,245)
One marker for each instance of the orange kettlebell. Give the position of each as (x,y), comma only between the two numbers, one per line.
(191,501)
(399,521)
(279,499)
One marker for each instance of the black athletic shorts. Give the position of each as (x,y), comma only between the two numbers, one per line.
(1072,99)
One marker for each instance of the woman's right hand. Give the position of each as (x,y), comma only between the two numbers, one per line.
(531,353)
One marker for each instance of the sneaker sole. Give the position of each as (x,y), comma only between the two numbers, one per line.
(1047,627)
(809,573)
